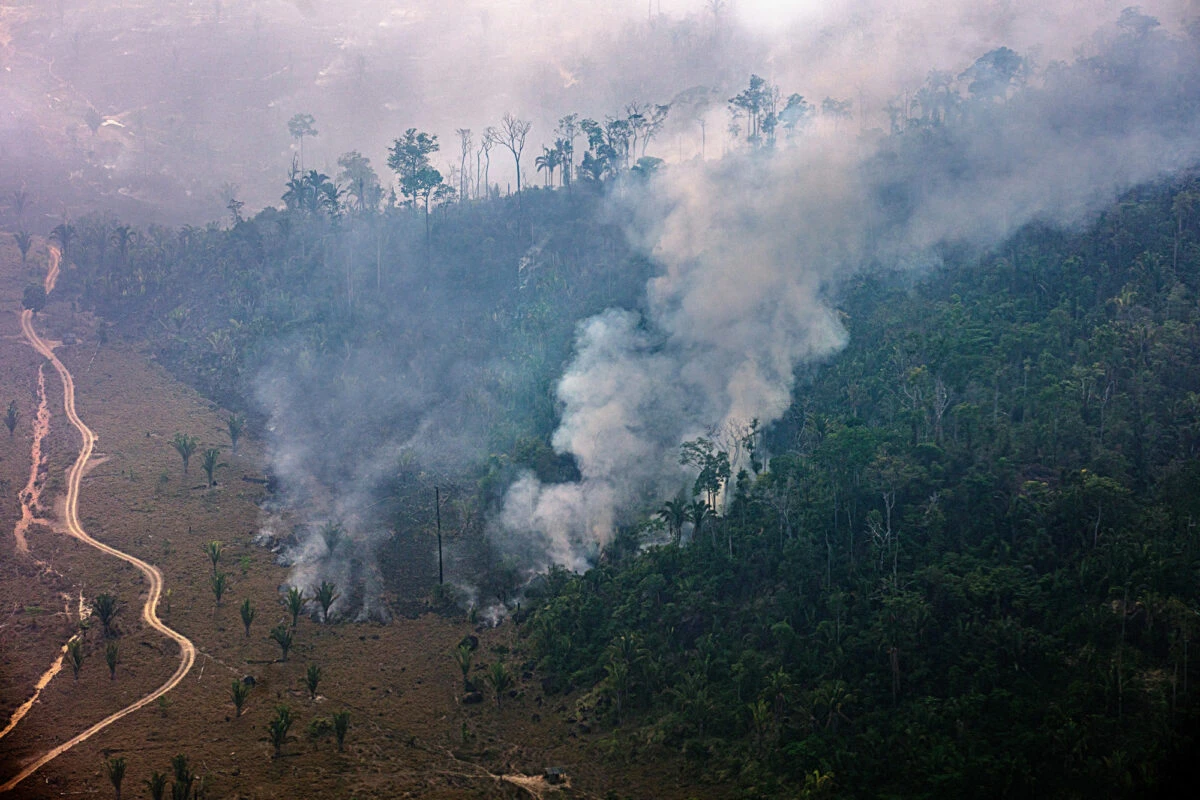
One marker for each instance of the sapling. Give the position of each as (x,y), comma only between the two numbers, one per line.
(283,637)
(295,603)
(247,612)
(278,727)
(75,656)
(311,680)
(238,692)
(115,767)
(341,724)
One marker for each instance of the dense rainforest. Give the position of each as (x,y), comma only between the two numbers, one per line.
(970,565)
(963,563)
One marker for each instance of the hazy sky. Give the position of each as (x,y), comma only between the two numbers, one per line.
(202,89)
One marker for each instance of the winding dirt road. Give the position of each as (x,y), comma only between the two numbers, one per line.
(73,528)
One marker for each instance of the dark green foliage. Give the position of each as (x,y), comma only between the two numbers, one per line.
(212,457)
(185,445)
(106,607)
(11,416)
(341,724)
(971,560)
(295,601)
(247,611)
(24,242)
(111,657)
(282,636)
(462,656)
(235,423)
(500,679)
(181,788)
(238,692)
(279,726)
(213,550)
(156,784)
(312,679)
(75,656)
(115,768)
(34,298)
(325,595)
(219,582)
(64,234)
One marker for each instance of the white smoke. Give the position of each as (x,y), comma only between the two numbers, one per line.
(751,250)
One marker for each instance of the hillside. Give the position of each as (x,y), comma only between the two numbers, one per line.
(969,566)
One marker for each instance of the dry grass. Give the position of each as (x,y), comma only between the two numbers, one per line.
(398,681)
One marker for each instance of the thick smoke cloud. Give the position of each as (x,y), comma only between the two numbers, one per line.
(752,249)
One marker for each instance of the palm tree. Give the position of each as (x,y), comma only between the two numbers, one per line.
(247,612)
(181,789)
(106,607)
(282,637)
(500,679)
(213,550)
(699,512)
(674,513)
(238,692)
(462,657)
(549,161)
(185,445)
(341,723)
(236,423)
(295,603)
(11,417)
(312,678)
(220,582)
(115,767)
(210,464)
(64,234)
(75,656)
(24,242)
(157,785)
(278,727)
(122,237)
(325,595)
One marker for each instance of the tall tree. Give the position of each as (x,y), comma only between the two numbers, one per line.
(301,126)
(408,157)
(567,132)
(64,234)
(464,178)
(511,134)
(759,102)
(235,423)
(361,180)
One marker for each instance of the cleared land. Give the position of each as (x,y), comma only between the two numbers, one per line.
(409,734)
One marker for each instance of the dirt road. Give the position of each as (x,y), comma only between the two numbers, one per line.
(72,527)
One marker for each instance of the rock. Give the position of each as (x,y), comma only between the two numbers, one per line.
(249,680)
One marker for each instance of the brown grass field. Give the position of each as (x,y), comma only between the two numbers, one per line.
(409,735)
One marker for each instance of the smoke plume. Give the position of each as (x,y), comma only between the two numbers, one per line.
(751,250)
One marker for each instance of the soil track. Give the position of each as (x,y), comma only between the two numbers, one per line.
(73,528)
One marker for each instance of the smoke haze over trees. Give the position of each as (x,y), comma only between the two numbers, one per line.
(365,338)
